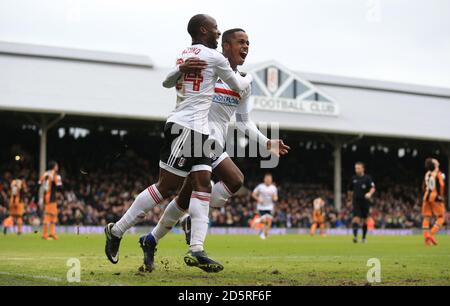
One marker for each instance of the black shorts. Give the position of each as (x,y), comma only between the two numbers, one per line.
(218,154)
(361,208)
(265,212)
(184,151)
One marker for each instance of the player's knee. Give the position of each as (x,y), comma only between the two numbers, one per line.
(162,189)
(236,182)
(217,202)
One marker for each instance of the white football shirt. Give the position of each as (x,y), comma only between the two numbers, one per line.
(225,103)
(195,91)
(266,193)
(318,204)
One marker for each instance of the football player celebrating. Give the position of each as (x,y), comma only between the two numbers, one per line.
(182,154)
(226,103)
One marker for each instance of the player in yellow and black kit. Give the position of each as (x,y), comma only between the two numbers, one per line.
(318,217)
(51,182)
(433,200)
(16,202)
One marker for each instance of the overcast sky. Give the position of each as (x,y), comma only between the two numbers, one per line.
(399,40)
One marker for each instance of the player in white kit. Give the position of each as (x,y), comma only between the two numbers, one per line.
(182,155)
(265,195)
(226,103)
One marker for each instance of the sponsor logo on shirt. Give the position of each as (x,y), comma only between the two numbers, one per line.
(226,97)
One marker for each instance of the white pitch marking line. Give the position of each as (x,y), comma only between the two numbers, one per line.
(50,278)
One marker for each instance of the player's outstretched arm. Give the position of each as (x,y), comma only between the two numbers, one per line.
(278,147)
(247,126)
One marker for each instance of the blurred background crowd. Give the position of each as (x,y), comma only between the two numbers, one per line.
(103,196)
(103,172)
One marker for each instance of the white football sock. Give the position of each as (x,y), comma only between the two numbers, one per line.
(168,220)
(143,203)
(219,195)
(198,210)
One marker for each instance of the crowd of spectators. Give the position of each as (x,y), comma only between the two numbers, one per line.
(102,196)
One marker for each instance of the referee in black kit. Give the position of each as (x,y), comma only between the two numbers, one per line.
(360,192)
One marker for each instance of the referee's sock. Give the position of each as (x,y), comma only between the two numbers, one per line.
(364,228)
(355,229)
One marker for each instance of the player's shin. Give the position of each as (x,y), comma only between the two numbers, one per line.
(53,231)
(322,229)
(268,227)
(45,230)
(438,225)
(426,227)
(143,203)
(364,230)
(355,227)
(313,229)
(199,210)
(169,219)
(19,225)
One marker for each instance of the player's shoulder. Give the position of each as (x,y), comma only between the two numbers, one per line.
(203,51)
(215,53)
(259,186)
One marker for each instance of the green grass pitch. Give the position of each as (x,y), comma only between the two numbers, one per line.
(279,260)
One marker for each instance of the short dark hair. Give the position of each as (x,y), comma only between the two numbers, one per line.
(429,164)
(51,164)
(226,35)
(195,23)
(360,163)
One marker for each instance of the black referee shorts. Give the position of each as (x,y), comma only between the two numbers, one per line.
(361,208)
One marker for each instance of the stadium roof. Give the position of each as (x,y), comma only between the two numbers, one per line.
(48,79)
(74,54)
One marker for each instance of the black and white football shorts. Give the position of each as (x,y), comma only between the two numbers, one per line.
(218,153)
(184,151)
